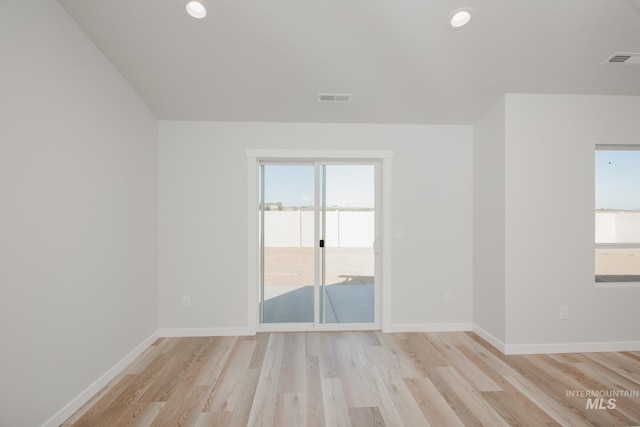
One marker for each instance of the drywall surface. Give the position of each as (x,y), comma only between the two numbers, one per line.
(203,185)
(488,224)
(549,219)
(78,222)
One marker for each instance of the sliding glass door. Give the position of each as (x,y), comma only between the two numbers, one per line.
(318,233)
(349,235)
(287,264)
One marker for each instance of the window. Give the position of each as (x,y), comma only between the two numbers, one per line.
(617,213)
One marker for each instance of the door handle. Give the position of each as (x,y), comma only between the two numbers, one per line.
(322,243)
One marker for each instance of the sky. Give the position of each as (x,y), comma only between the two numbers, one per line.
(617,179)
(617,184)
(347,185)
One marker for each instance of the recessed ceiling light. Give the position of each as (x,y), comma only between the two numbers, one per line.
(461,18)
(196,9)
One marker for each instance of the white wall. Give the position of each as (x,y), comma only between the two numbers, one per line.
(488,225)
(78,227)
(549,220)
(203,247)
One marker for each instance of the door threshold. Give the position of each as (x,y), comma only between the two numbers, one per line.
(308,327)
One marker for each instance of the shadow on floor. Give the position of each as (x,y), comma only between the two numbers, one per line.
(350,301)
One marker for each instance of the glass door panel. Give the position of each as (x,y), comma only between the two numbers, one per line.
(317,236)
(287,221)
(348,233)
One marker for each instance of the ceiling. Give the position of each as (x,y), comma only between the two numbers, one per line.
(267,60)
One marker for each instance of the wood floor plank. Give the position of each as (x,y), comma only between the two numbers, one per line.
(293,369)
(542,369)
(184,407)
(358,389)
(421,353)
(495,360)
(336,412)
(240,417)
(132,404)
(315,407)
(473,401)
(216,359)
(265,399)
(387,407)
(618,364)
(471,372)
(391,371)
(328,356)
(261,347)
(314,344)
(360,379)
(120,386)
(366,417)
(129,401)
(174,369)
(290,410)
(181,394)
(604,380)
(433,405)
(394,351)
(142,361)
(217,419)
(406,406)
(450,393)
(94,409)
(565,415)
(516,410)
(633,355)
(368,338)
(147,416)
(226,391)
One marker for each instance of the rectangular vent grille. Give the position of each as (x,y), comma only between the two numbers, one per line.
(623,58)
(335,97)
(619,58)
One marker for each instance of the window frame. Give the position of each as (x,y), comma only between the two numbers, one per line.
(625,245)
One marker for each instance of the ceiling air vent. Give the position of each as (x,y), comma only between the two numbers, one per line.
(623,58)
(335,97)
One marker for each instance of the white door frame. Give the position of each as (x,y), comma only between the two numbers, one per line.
(254,157)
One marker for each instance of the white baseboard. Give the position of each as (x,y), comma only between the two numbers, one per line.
(63,414)
(495,342)
(429,327)
(205,332)
(588,347)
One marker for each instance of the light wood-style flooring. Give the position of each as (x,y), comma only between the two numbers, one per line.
(362,379)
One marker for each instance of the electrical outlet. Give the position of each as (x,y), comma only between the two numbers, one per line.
(186,301)
(564,312)
(448,297)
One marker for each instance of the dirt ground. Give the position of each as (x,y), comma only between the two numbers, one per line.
(614,261)
(295,266)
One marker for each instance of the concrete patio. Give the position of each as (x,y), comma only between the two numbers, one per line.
(289,278)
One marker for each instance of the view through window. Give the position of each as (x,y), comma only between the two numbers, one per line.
(317,249)
(617,214)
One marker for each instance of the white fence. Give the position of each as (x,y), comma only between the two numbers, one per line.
(295,229)
(355,229)
(617,227)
